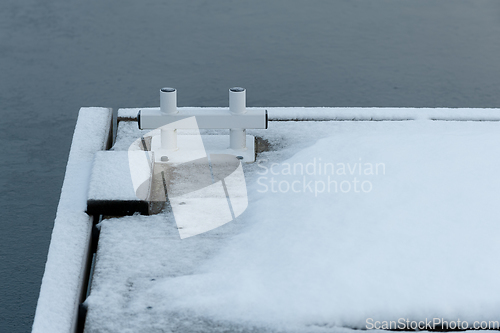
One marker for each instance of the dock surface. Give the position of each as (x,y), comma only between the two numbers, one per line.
(417,241)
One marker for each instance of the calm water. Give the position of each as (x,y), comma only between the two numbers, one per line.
(56,56)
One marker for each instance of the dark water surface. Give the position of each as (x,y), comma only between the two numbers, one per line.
(56,56)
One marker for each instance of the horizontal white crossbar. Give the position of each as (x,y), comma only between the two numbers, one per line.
(217,118)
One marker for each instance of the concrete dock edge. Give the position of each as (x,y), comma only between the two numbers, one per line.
(63,282)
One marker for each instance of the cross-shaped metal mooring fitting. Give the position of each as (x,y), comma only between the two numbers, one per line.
(237,118)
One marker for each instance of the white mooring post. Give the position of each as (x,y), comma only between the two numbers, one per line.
(237,106)
(168,106)
(237,118)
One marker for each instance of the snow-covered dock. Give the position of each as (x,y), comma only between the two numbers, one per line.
(353,214)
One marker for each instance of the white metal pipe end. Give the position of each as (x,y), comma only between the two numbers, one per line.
(168,100)
(237,100)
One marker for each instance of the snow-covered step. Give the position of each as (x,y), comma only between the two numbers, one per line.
(111,188)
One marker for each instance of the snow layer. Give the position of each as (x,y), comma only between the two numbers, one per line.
(394,114)
(422,243)
(111,177)
(127,134)
(61,284)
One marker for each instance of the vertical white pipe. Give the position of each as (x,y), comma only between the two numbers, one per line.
(237,138)
(237,105)
(168,105)
(168,100)
(168,138)
(237,100)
